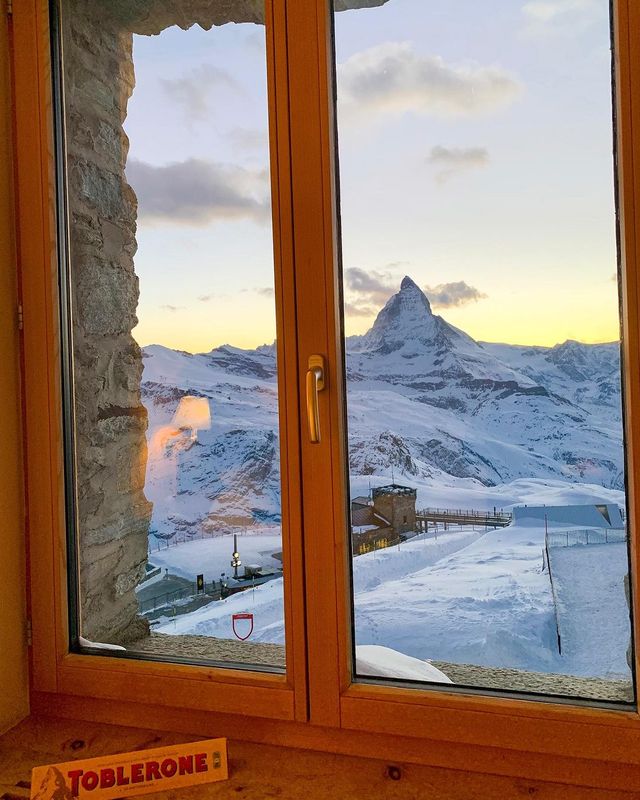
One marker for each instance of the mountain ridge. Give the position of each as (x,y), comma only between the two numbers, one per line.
(424,400)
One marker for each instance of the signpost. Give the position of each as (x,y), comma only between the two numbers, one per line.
(235,557)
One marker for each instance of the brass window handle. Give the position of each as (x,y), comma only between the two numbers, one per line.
(315,384)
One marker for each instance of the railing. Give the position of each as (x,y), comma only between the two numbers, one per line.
(150,574)
(459,516)
(158,543)
(554,596)
(211,590)
(585,536)
(572,538)
(165,599)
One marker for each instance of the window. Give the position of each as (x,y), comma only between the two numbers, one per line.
(173,432)
(322,677)
(484,393)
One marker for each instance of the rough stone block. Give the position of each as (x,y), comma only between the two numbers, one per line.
(106,298)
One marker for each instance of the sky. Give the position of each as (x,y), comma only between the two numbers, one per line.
(475,156)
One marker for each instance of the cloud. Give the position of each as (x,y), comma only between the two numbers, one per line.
(392,78)
(452,161)
(449,295)
(173,309)
(397,264)
(368,291)
(255,41)
(545,17)
(548,10)
(196,192)
(193,90)
(355,310)
(249,139)
(376,286)
(261,291)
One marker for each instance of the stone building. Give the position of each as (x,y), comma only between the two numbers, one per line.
(384,520)
(397,504)
(369,530)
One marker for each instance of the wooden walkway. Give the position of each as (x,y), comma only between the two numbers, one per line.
(449,516)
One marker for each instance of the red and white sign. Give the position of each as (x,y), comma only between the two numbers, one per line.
(242,623)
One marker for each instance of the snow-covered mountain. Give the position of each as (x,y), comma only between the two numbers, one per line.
(425,400)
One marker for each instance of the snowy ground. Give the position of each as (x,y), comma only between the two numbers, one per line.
(211,556)
(490,604)
(593,612)
(487,604)
(264,602)
(466,597)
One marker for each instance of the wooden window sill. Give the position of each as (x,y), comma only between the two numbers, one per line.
(265,771)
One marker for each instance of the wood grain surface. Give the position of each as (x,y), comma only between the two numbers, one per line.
(264,771)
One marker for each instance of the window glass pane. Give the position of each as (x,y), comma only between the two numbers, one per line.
(486,447)
(175,380)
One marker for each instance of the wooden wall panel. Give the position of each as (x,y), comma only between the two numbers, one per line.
(13,664)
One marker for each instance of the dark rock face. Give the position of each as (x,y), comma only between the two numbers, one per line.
(384,451)
(456,458)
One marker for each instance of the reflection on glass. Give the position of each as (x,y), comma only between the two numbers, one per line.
(488,525)
(179,523)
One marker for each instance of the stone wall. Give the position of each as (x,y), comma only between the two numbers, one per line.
(399,509)
(113,512)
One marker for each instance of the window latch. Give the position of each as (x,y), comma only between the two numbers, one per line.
(315,384)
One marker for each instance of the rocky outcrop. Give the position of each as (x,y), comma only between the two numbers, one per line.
(110,420)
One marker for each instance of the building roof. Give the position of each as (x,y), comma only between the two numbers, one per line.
(601,515)
(361,500)
(365,515)
(394,488)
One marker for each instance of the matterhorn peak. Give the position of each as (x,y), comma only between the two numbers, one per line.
(408,283)
(411,293)
(411,298)
(407,316)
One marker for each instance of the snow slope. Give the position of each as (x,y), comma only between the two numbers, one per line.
(593,613)
(488,604)
(264,602)
(469,597)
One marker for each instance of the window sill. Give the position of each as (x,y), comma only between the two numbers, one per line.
(261,770)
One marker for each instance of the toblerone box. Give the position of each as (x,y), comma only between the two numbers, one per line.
(130,774)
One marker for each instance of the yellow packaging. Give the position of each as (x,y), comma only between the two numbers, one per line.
(130,774)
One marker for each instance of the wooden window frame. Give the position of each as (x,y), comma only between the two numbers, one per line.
(54,668)
(317,705)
